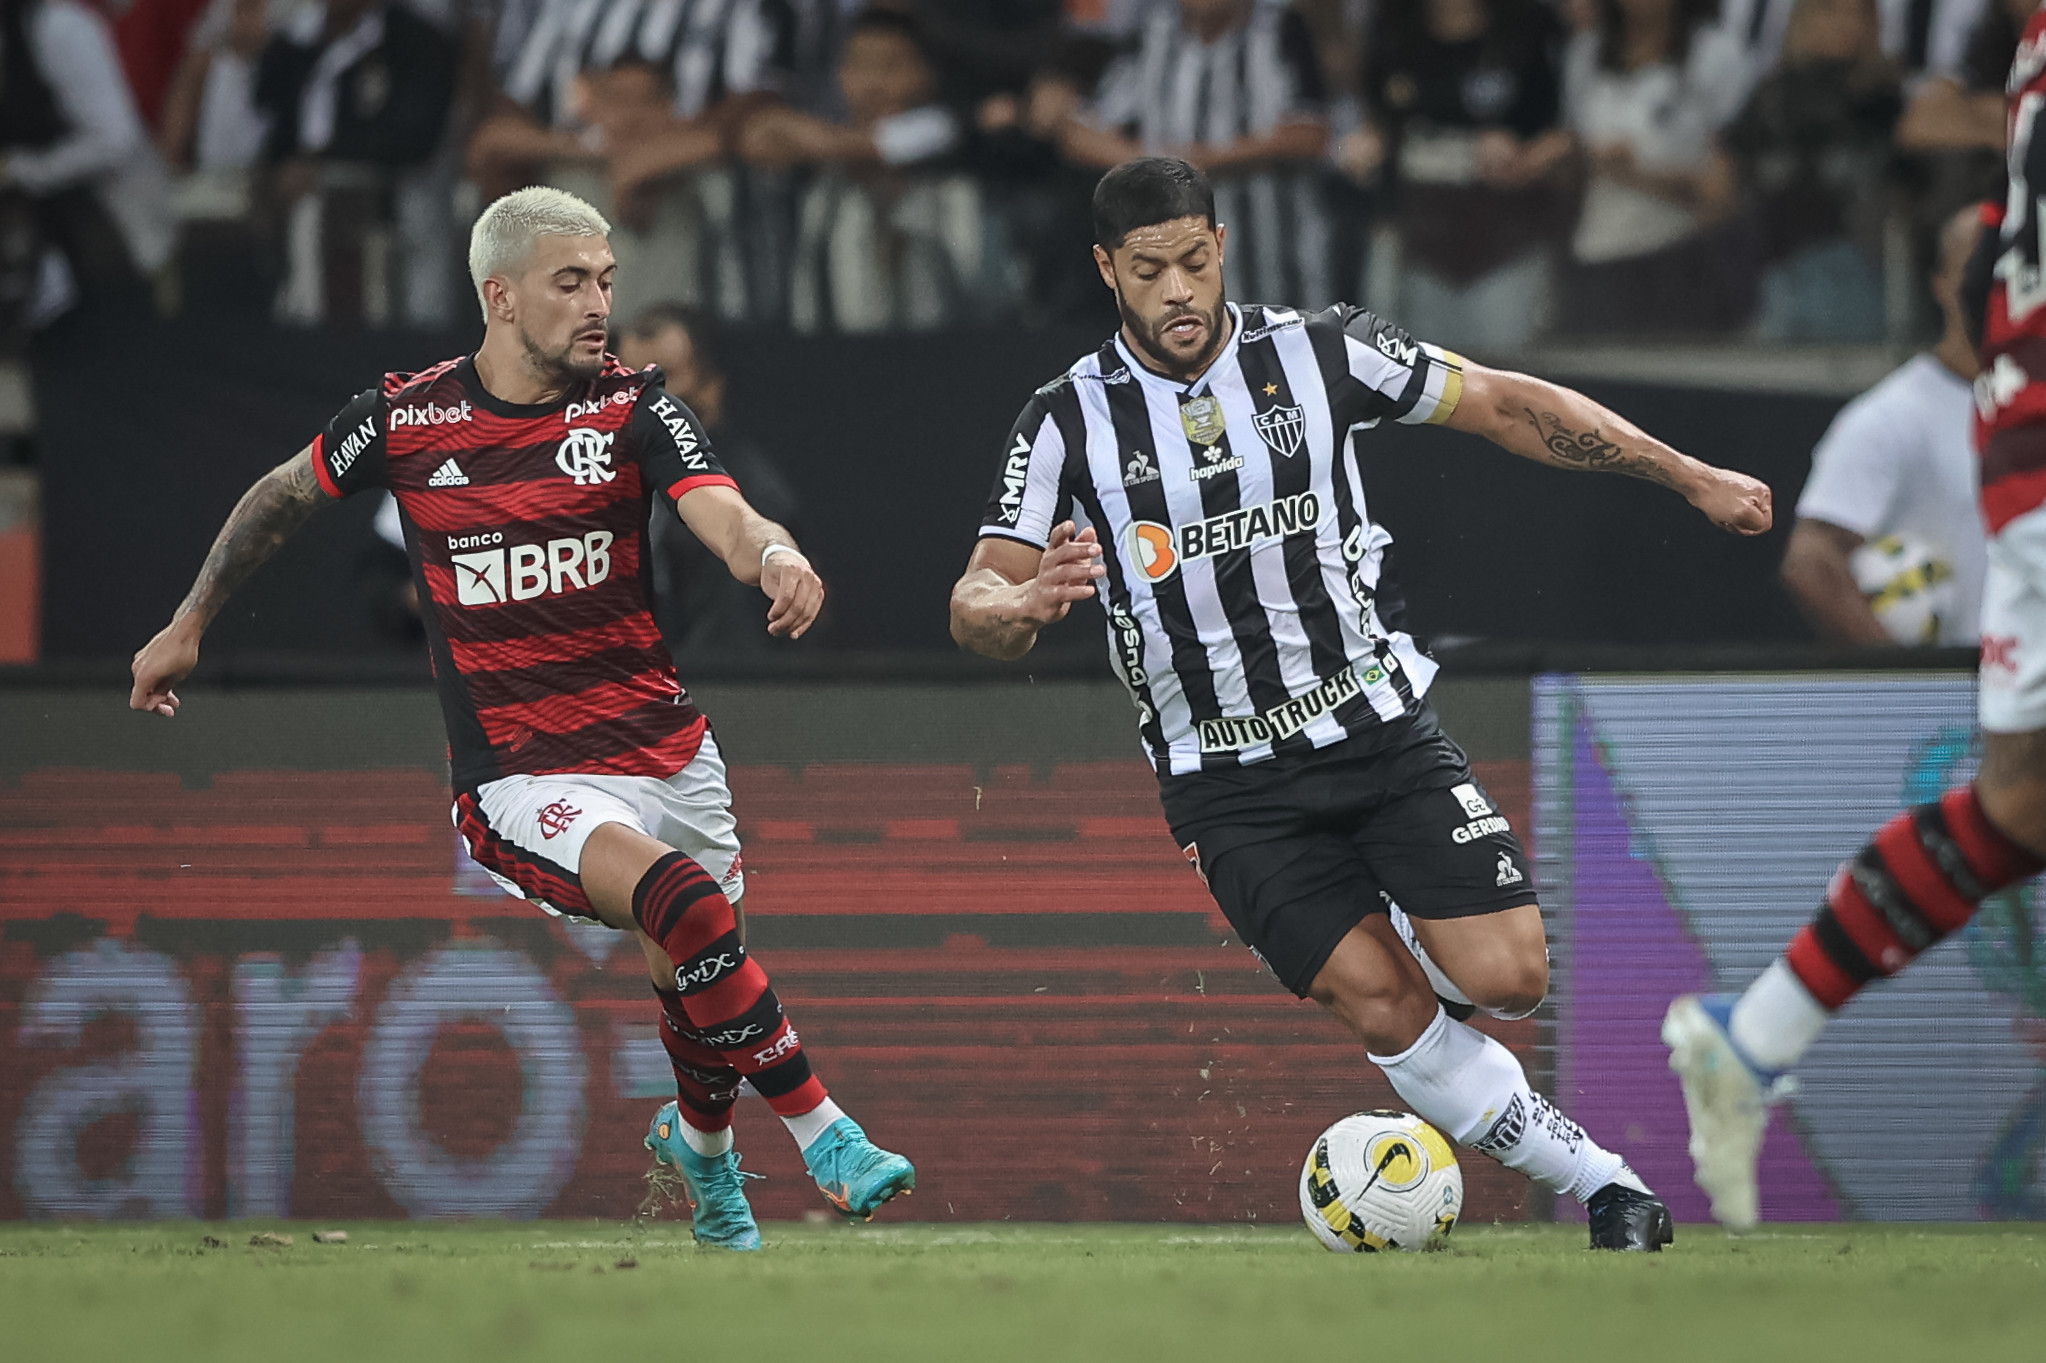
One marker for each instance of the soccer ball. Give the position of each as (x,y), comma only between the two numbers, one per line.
(1909,587)
(1380,1180)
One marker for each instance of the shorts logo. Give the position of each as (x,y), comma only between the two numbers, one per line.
(1509,874)
(1283,428)
(1193,859)
(555,819)
(2000,652)
(1231,733)
(1158,550)
(1472,799)
(585,455)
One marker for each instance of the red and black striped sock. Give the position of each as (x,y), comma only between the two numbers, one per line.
(706,1085)
(722,994)
(1923,876)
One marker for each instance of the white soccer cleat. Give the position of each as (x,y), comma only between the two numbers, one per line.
(1728,1104)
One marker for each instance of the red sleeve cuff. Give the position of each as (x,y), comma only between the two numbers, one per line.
(689,485)
(327,482)
(1992,213)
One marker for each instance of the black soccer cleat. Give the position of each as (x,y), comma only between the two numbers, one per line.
(1629,1218)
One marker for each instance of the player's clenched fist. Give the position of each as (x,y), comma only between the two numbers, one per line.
(161,664)
(1066,573)
(797,594)
(1736,502)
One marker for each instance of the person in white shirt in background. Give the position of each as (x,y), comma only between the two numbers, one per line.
(1888,546)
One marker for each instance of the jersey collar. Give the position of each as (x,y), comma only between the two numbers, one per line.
(466,374)
(1149,376)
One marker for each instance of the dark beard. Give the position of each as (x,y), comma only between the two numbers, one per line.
(1158,358)
(559,370)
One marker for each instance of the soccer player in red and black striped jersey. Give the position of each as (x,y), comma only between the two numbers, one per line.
(1926,871)
(585,779)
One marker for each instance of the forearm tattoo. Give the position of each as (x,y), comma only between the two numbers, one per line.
(1592,452)
(268,514)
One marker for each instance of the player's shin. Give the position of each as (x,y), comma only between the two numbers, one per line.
(706,1086)
(1472,1087)
(724,1001)
(1922,877)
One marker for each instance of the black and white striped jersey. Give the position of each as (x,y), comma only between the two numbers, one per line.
(710,48)
(1246,611)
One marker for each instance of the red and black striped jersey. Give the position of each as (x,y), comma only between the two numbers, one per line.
(2010,392)
(527,531)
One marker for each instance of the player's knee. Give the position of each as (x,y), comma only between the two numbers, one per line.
(1513,987)
(1385,1011)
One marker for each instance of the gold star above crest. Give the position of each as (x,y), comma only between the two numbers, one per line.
(1271,390)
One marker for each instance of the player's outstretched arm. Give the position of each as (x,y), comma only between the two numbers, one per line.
(1561,427)
(759,554)
(266,516)
(1011,590)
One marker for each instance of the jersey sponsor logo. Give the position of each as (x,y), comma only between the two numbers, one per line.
(1269,328)
(1139,470)
(525,571)
(586,456)
(342,457)
(1126,652)
(448,474)
(1015,474)
(1479,828)
(1395,349)
(1218,463)
(1472,799)
(580,411)
(432,414)
(1232,733)
(670,414)
(1282,428)
(476,541)
(556,817)
(1158,551)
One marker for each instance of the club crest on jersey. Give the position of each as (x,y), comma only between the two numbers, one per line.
(1283,428)
(1201,418)
(586,456)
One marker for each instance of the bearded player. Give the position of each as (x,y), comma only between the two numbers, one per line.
(586,781)
(1209,460)
(1927,870)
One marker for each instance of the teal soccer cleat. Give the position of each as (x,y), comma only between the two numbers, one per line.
(855,1175)
(717,1186)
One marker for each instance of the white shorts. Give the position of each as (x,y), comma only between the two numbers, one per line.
(528,831)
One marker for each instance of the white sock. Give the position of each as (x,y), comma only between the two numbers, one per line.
(705,1143)
(1470,1086)
(1777,1020)
(808,1127)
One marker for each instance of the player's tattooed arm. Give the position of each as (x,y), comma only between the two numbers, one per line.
(268,514)
(1565,429)
(1010,590)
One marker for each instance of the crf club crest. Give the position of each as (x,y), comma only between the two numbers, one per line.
(586,456)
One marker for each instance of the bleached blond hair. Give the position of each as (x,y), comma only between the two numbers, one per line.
(503,237)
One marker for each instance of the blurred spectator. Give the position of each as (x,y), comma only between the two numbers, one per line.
(634,106)
(1964,110)
(1923,38)
(82,192)
(1041,196)
(151,37)
(1233,86)
(1646,93)
(1463,100)
(354,91)
(701,608)
(1888,543)
(889,235)
(1813,142)
(210,120)
(984,47)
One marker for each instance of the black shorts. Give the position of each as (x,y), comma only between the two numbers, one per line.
(1298,849)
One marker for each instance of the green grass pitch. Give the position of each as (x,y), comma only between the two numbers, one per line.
(581,1291)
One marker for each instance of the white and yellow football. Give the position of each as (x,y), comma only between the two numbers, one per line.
(1380,1180)
(1909,587)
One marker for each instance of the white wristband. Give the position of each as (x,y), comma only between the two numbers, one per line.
(771,550)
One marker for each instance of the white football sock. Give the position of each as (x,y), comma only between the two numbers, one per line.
(1472,1087)
(705,1143)
(810,1125)
(1777,1020)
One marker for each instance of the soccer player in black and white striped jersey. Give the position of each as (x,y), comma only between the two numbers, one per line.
(1199,472)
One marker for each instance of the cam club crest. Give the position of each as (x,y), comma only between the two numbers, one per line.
(1202,419)
(1283,428)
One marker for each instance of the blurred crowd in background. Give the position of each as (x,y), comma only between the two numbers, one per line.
(1491,172)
